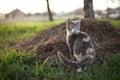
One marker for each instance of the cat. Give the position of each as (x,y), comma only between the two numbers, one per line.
(80,45)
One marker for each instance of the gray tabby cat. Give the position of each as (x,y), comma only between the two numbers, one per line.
(80,45)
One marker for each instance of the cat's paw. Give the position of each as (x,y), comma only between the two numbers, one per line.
(79,70)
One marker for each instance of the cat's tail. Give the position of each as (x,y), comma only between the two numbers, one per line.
(73,64)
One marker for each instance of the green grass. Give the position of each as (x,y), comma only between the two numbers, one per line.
(24,66)
(109,70)
(16,66)
(115,23)
(13,33)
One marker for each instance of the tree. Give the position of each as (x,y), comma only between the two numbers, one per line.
(88,9)
(49,11)
(108,9)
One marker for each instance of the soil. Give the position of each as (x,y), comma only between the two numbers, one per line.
(105,37)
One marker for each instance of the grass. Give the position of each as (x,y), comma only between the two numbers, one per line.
(115,23)
(15,66)
(14,33)
(24,66)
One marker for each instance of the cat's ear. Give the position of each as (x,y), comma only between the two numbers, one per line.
(79,20)
(69,20)
(79,23)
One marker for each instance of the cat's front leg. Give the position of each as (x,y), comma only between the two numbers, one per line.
(71,52)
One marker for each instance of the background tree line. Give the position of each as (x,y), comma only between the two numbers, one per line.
(88,9)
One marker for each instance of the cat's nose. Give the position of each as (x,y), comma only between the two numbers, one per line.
(76,31)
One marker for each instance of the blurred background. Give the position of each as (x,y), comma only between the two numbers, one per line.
(44,10)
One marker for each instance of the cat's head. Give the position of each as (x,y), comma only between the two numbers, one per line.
(73,25)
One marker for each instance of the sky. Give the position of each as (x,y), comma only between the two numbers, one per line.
(33,6)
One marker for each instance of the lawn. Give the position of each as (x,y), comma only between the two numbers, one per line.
(24,66)
(115,23)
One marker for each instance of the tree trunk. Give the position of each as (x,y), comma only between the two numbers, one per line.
(88,9)
(49,11)
(108,12)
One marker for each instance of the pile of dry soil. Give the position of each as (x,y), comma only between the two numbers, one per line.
(105,37)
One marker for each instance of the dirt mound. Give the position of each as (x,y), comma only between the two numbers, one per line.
(105,37)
